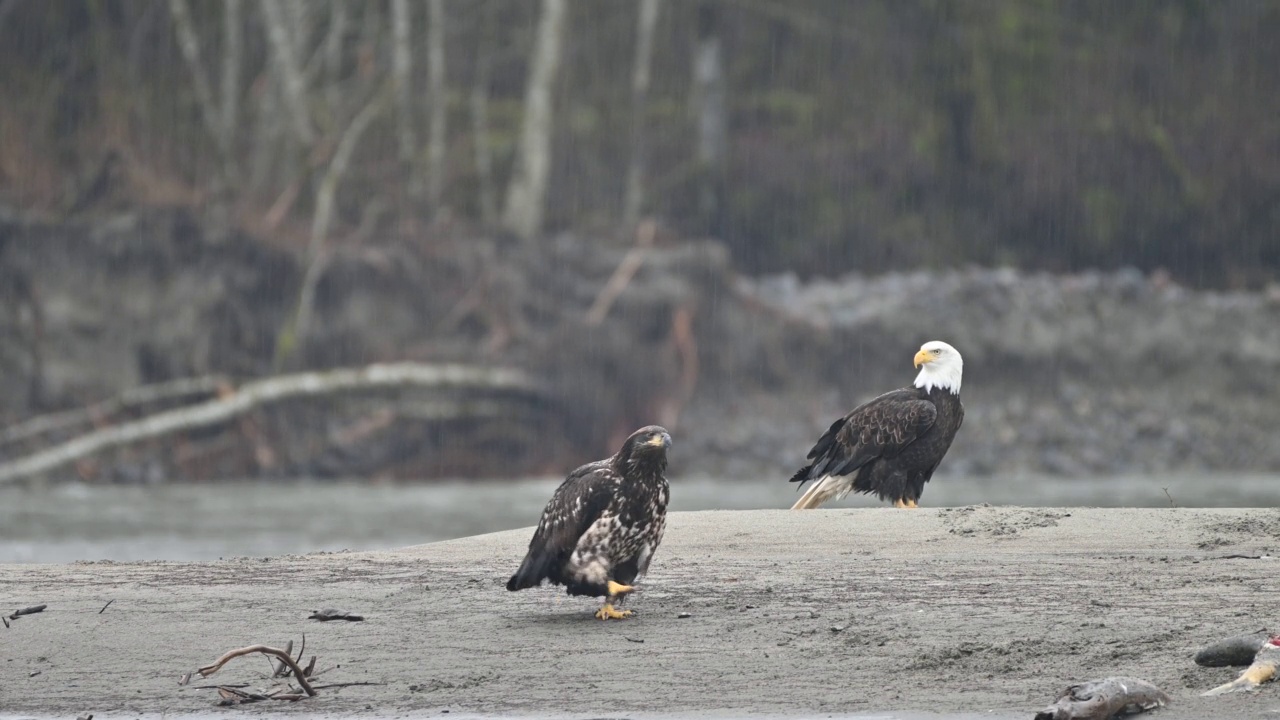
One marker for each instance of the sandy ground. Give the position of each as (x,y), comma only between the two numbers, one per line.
(975,611)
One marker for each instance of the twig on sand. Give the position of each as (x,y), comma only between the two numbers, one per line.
(232,696)
(24,611)
(332,614)
(1166,494)
(279,668)
(104,607)
(216,665)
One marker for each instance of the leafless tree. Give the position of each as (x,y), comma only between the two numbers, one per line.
(479,103)
(333,45)
(232,58)
(709,110)
(437,131)
(289,69)
(189,44)
(526,193)
(402,74)
(633,200)
(317,255)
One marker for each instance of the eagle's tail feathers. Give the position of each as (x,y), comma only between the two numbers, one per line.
(802,475)
(830,487)
(532,571)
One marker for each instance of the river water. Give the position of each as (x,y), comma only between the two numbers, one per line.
(63,523)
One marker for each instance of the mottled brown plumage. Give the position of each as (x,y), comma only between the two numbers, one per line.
(598,533)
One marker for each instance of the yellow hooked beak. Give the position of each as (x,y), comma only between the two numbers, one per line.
(922,357)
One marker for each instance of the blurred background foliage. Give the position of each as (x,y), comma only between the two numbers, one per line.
(863,136)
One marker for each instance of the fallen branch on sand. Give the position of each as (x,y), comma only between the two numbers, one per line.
(332,614)
(284,657)
(261,392)
(24,611)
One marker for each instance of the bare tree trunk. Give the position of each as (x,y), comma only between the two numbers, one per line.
(480,119)
(301,23)
(438,131)
(712,119)
(189,44)
(270,139)
(402,73)
(633,199)
(232,57)
(333,57)
(290,69)
(527,191)
(371,26)
(293,334)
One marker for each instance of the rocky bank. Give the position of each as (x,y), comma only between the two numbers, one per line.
(1080,374)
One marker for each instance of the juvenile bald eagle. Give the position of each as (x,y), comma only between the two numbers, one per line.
(890,445)
(602,526)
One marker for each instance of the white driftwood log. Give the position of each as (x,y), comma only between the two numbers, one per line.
(262,392)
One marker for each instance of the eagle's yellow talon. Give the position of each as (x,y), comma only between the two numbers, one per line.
(899,503)
(608,613)
(616,589)
(912,504)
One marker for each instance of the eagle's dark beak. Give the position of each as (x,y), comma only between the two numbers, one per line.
(663,440)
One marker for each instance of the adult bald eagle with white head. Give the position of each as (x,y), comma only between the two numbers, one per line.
(890,445)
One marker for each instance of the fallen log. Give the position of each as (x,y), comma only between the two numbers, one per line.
(261,392)
(129,399)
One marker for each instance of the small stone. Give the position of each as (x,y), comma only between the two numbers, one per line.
(684,615)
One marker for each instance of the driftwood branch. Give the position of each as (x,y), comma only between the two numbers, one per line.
(230,655)
(261,392)
(27,611)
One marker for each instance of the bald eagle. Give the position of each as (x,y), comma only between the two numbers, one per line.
(602,526)
(890,445)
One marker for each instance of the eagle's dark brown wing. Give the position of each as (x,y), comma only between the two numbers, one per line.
(881,427)
(577,503)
